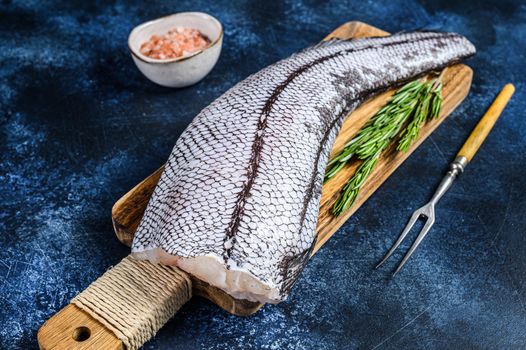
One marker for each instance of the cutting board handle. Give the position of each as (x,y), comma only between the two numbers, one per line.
(122,309)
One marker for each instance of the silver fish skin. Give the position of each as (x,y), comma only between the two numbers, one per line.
(238,201)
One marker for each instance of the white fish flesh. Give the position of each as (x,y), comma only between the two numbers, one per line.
(238,201)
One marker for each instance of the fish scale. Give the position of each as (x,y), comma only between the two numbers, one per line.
(238,201)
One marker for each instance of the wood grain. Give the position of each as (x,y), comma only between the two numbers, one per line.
(61,330)
(72,328)
(484,126)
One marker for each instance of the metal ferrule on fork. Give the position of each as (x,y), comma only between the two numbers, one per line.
(455,169)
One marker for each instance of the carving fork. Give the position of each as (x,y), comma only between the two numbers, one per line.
(464,156)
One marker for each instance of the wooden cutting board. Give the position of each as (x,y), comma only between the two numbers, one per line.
(128,211)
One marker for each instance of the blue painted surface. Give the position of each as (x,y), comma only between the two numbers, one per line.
(80,126)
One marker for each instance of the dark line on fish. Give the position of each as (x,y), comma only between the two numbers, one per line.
(399,83)
(257,145)
(365,95)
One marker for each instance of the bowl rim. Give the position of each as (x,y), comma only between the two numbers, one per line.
(145,59)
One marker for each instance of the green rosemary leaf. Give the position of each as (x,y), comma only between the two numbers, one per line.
(352,188)
(413,128)
(436,99)
(333,170)
(430,102)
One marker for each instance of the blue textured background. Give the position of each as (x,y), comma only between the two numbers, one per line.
(80,126)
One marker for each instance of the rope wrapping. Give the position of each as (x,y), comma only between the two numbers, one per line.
(135,299)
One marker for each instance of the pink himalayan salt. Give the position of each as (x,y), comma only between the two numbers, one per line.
(176,43)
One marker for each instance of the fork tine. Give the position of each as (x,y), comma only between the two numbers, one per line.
(404,233)
(429,223)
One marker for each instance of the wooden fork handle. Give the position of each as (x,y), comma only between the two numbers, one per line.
(484,126)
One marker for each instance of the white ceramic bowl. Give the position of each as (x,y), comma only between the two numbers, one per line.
(182,71)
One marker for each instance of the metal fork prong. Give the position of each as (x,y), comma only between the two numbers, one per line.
(404,233)
(427,226)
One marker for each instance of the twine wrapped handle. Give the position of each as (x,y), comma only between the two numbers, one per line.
(122,309)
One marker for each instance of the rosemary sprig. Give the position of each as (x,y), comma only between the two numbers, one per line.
(352,187)
(380,129)
(410,106)
(428,108)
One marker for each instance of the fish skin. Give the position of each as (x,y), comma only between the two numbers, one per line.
(243,182)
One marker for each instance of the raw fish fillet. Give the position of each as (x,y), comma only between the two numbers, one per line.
(238,201)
